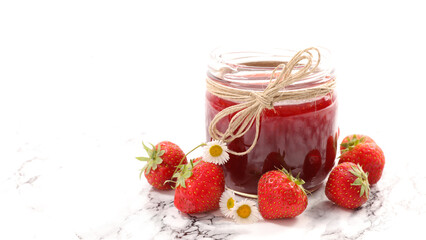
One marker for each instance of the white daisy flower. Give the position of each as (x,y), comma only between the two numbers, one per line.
(227,203)
(216,152)
(246,212)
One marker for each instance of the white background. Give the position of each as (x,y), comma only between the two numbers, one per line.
(67,65)
(136,69)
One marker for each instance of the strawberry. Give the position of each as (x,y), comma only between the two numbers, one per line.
(331,151)
(312,164)
(199,186)
(351,141)
(365,152)
(161,164)
(274,160)
(347,185)
(280,195)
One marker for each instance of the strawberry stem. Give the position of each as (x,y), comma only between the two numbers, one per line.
(351,143)
(185,172)
(180,166)
(297,180)
(153,159)
(361,180)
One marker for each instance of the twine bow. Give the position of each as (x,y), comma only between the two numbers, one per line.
(252,103)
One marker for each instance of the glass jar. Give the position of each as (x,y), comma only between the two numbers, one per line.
(299,135)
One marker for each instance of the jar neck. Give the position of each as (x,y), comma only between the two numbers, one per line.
(252,70)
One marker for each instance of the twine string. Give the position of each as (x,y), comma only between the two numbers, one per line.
(252,103)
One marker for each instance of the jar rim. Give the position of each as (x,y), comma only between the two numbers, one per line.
(252,68)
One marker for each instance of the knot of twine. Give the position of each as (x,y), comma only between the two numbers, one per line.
(265,100)
(251,103)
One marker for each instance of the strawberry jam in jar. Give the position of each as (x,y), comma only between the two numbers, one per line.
(299,135)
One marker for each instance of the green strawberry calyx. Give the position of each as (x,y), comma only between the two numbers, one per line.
(297,180)
(153,159)
(349,145)
(184,171)
(361,180)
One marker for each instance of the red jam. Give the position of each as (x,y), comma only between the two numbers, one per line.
(300,136)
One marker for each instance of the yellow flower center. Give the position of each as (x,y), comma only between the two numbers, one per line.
(244,211)
(215,150)
(230,203)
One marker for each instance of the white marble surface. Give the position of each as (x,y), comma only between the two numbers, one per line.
(83,83)
(89,189)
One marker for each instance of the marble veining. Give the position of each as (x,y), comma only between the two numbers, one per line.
(185,226)
(83,196)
